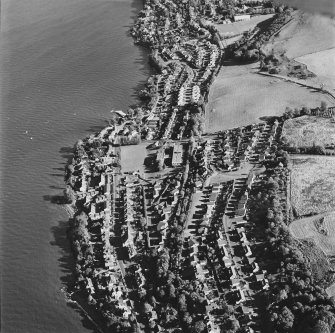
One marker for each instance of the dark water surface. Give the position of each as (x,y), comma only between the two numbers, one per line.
(64,65)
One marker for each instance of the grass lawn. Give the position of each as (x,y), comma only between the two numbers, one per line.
(239,96)
(308,130)
(312,184)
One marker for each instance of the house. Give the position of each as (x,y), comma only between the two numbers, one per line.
(89,286)
(265,284)
(247,250)
(243,237)
(255,267)
(198,184)
(259,277)
(235,282)
(232,272)
(227,262)
(240,296)
(177,155)
(212,199)
(215,187)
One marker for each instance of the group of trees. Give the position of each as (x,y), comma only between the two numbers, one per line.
(177,302)
(124,140)
(290,113)
(196,123)
(82,248)
(248,48)
(296,302)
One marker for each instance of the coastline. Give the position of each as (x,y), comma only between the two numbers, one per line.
(172,113)
(215,67)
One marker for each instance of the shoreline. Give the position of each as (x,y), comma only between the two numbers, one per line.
(152,96)
(172,114)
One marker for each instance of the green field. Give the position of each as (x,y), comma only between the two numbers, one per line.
(239,96)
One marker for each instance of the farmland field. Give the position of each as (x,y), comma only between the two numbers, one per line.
(305,228)
(322,64)
(312,184)
(239,96)
(306,33)
(307,131)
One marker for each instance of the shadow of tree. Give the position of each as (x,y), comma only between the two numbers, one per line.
(60,232)
(58,199)
(67,263)
(66,153)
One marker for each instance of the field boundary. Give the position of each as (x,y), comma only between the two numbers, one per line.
(296,81)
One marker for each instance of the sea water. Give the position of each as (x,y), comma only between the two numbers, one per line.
(64,65)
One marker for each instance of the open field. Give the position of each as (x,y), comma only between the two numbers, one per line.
(325,7)
(305,34)
(132,157)
(309,39)
(307,131)
(306,228)
(240,96)
(238,28)
(312,184)
(322,64)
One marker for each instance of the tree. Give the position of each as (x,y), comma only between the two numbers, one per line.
(153,301)
(147,307)
(320,327)
(199,327)
(305,111)
(285,319)
(182,306)
(233,325)
(324,106)
(282,295)
(288,113)
(187,319)
(143,222)
(171,291)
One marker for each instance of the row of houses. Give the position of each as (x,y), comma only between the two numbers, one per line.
(235,147)
(100,199)
(161,199)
